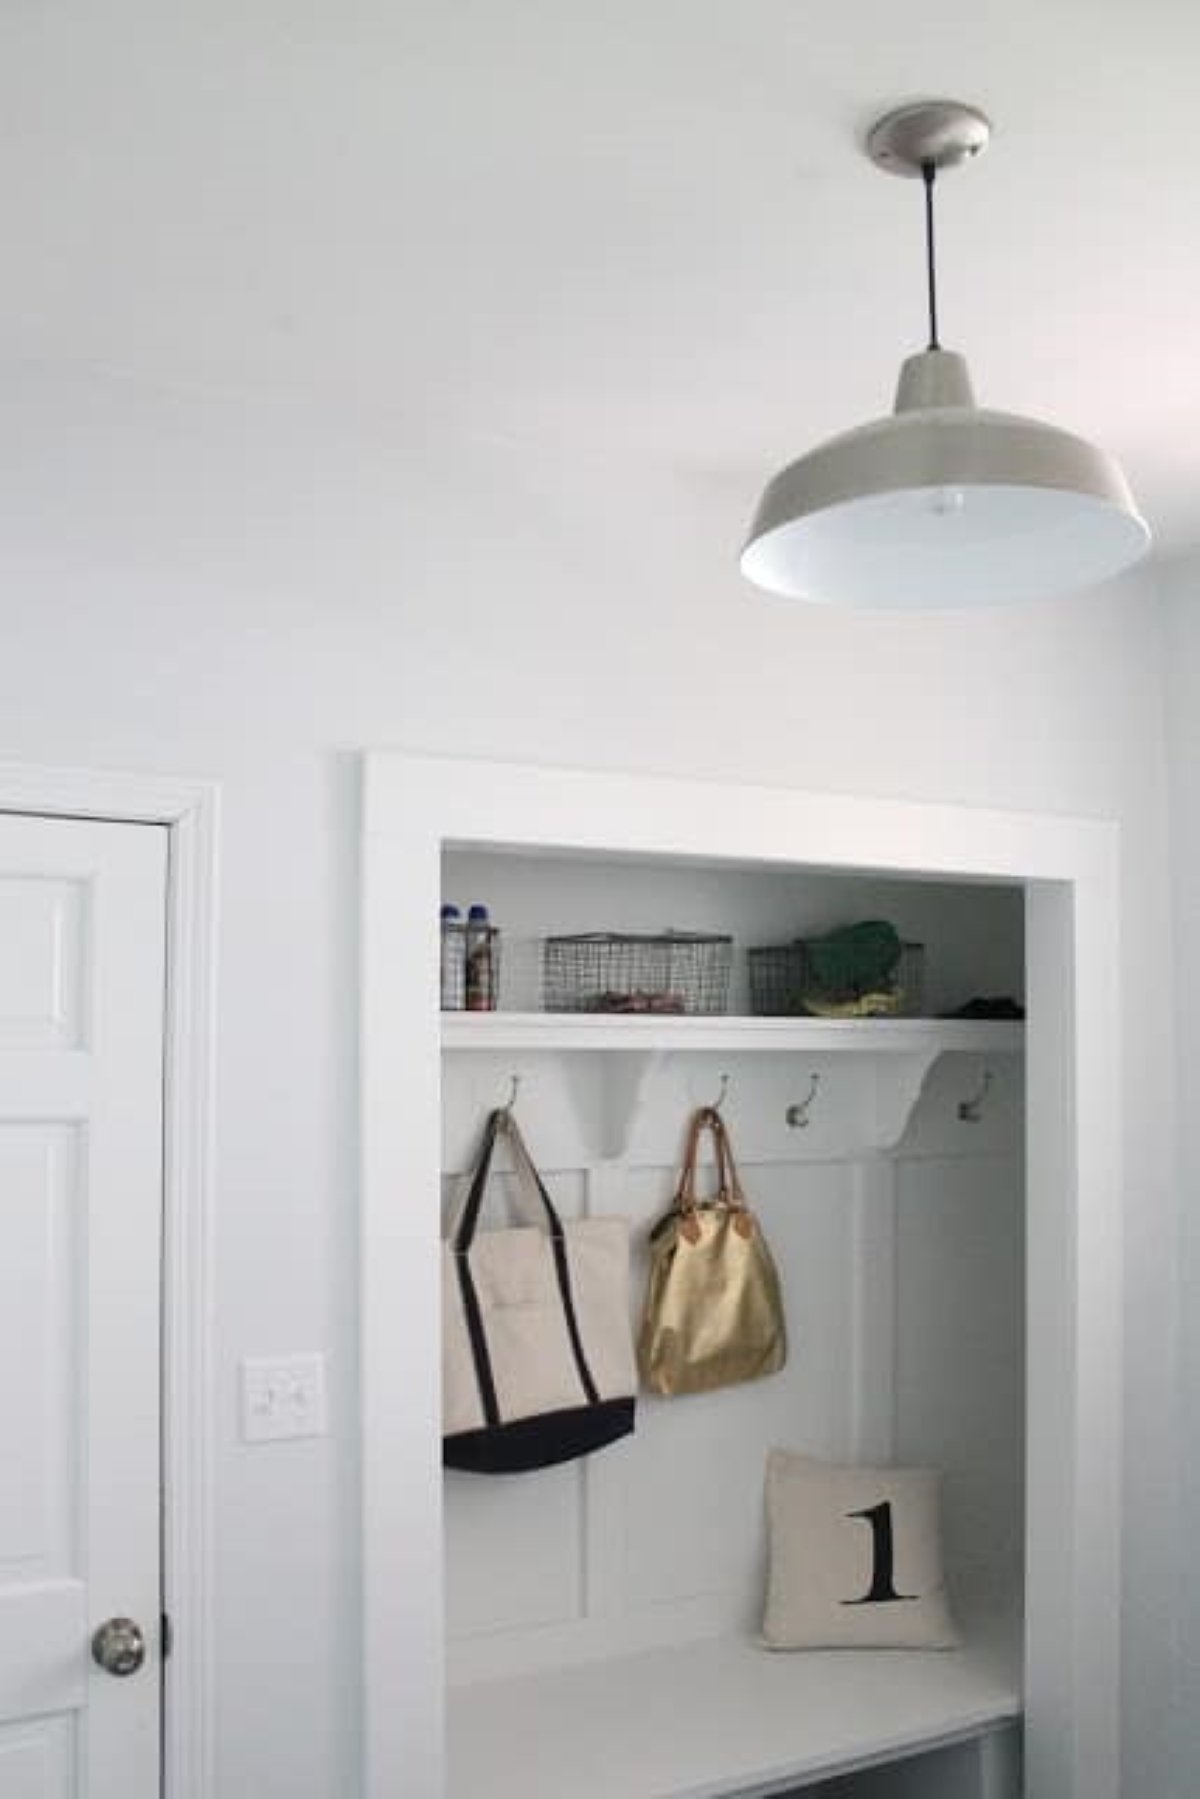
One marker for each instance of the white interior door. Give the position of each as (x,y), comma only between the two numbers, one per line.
(82,983)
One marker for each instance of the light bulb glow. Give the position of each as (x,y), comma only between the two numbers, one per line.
(944,506)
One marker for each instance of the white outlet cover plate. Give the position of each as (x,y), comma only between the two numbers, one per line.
(282,1397)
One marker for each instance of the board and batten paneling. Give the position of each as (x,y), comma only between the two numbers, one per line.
(960,1336)
(659,1539)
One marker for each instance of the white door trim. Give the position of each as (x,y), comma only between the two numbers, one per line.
(191,810)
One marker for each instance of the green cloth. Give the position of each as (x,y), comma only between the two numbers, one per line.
(855,960)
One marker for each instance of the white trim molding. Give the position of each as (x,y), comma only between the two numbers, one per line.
(191,811)
(417,806)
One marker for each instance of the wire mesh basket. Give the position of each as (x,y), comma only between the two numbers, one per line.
(782,985)
(610,971)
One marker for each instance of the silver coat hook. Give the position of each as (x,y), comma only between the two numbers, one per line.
(797,1115)
(720,1101)
(514,1089)
(970,1111)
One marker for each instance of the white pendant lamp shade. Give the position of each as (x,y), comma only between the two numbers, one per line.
(943,503)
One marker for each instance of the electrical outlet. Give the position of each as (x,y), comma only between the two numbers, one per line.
(282,1396)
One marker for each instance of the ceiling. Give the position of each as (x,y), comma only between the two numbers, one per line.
(637,231)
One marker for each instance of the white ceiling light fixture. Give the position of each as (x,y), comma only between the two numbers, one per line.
(943,503)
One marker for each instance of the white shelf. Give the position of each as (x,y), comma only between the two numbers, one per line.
(661,1032)
(723,1717)
(899,1051)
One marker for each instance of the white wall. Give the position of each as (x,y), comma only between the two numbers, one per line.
(231,588)
(1181,589)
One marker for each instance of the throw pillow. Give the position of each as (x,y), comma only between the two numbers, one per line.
(854,1557)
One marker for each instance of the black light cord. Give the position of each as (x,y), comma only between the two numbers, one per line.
(929,175)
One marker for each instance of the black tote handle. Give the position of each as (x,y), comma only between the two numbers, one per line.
(501,1122)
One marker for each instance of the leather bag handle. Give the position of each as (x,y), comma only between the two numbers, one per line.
(729,1188)
(731,1181)
(685,1191)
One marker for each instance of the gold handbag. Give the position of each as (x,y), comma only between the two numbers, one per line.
(714,1313)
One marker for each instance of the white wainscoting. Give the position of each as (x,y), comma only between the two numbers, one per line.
(903,1285)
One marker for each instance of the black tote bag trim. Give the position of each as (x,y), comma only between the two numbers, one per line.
(479,1349)
(541,1441)
(562,1269)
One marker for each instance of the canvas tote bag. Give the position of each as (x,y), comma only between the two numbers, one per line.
(714,1312)
(537,1341)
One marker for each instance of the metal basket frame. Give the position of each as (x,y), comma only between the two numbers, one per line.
(781,977)
(631,971)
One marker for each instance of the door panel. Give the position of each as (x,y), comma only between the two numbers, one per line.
(39,1346)
(82,973)
(42,948)
(42,1669)
(36,1760)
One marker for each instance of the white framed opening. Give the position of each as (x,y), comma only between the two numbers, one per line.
(415,807)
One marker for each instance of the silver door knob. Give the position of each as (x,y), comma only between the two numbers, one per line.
(119,1647)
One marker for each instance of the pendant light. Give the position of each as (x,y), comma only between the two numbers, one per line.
(942,503)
